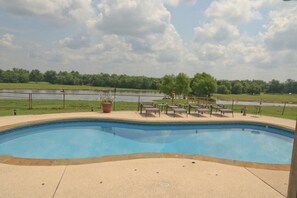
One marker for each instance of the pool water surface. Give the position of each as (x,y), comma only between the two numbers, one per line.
(85,139)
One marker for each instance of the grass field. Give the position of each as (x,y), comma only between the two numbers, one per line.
(48,86)
(56,106)
(292,98)
(7,107)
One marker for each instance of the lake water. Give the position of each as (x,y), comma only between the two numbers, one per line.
(80,95)
(120,96)
(246,103)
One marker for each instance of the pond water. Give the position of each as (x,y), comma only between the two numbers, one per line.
(249,103)
(80,95)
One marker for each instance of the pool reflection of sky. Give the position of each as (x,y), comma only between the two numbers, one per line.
(90,139)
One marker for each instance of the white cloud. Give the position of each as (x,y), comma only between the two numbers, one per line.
(178,2)
(235,10)
(75,42)
(132,18)
(216,31)
(281,32)
(137,37)
(6,40)
(57,12)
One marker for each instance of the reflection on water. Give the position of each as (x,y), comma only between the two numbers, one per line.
(80,95)
(80,139)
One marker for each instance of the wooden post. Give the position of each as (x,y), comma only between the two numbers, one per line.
(29,101)
(284,108)
(292,189)
(114,98)
(63,99)
(138,108)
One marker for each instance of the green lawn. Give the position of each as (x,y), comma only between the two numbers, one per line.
(56,106)
(264,97)
(48,86)
(7,107)
(274,111)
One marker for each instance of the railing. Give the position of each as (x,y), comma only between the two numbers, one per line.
(68,100)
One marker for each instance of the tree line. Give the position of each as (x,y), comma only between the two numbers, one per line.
(202,84)
(17,75)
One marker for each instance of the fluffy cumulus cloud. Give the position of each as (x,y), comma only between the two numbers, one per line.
(139,37)
(177,2)
(6,40)
(75,42)
(282,30)
(237,10)
(224,45)
(57,12)
(216,31)
(132,18)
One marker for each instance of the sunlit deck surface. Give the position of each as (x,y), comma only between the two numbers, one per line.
(141,177)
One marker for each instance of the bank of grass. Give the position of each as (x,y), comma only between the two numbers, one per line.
(56,106)
(292,98)
(48,86)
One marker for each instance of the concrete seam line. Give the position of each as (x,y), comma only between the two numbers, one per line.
(264,182)
(59,182)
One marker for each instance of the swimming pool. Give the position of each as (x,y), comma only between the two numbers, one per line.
(92,138)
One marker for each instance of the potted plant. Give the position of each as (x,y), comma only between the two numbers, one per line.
(106,102)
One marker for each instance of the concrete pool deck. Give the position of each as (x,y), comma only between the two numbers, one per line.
(153,177)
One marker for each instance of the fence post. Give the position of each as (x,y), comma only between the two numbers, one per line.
(232,104)
(29,101)
(138,103)
(284,108)
(63,99)
(114,98)
(292,188)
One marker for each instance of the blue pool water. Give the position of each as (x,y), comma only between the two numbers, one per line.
(84,139)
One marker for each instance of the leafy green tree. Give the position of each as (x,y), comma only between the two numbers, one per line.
(237,88)
(36,76)
(167,84)
(203,84)
(50,76)
(1,75)
(182,84)
(20,75)
(253,88)
(275,86)
(290,86)
(222,89)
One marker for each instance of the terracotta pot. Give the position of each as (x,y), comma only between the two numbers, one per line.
(106,107)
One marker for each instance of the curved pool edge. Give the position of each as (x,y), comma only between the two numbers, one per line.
(7,159)
(43,121)
(11,160)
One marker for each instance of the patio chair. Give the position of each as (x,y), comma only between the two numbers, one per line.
(200,109)
(152,110)
(176,109)
(221,109)
(143,106)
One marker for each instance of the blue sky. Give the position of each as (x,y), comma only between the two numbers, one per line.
(230,39)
